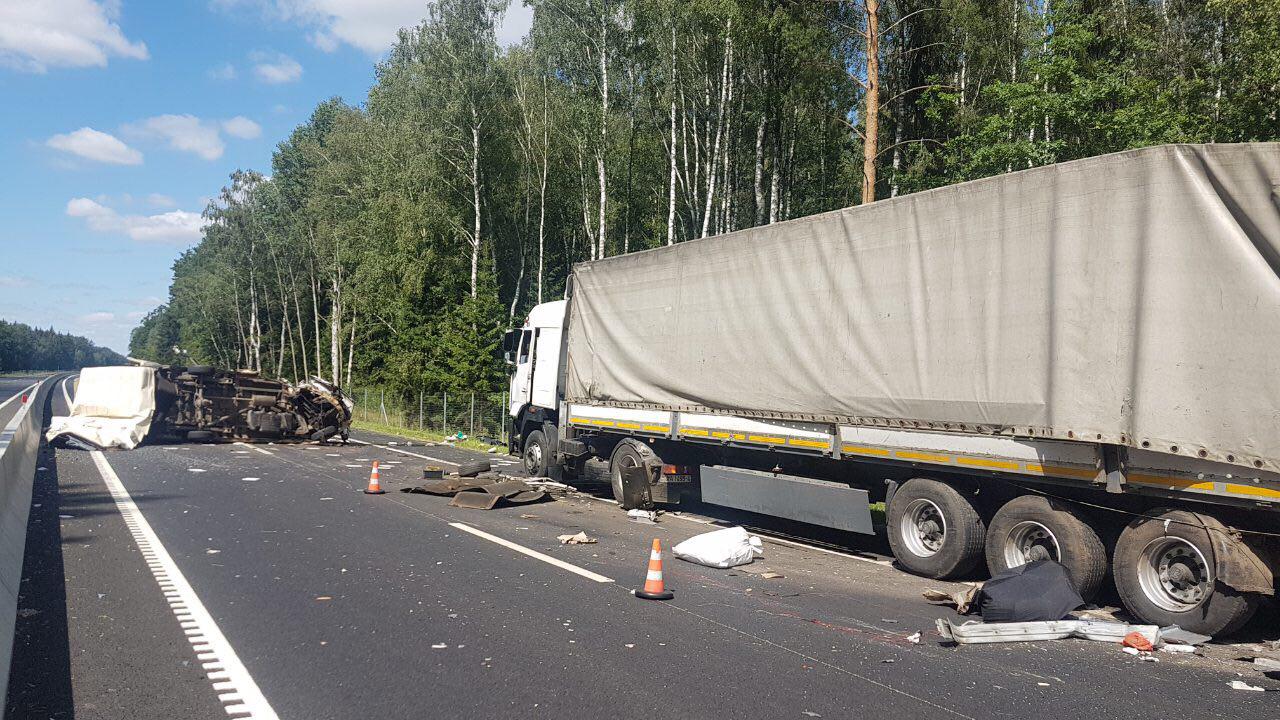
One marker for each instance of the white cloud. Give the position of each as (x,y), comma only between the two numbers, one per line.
(276,69)
(183,132)
(13,281)
(175,226)
(35,36)
(225,71)
(160,200)
(370,25)
(241,127)
(94,145)
(96,318)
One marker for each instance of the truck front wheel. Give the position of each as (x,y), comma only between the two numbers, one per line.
(535,454)
(934,530)
(1032,527)
(1164,567)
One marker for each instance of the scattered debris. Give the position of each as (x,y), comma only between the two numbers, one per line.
(1267,665)
(811,713)
(493,450)
(914,638)
(1242,685)
(549,485)
(1175,648)
(725,548)
(962,600)
(250,479)
(195,470)
(1097,613)
(527,516)
(972,633)
(580,539)
(211,551)
(481,493)
(1037,591)
(647,517)
(1175,634)
(324,597)
(439,646)
(1137,641)
(770,575)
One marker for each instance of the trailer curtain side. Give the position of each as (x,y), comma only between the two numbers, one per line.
(1131,299)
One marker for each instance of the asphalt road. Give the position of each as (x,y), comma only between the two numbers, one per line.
(10,388)
(339,604)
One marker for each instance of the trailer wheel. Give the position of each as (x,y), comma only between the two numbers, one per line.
(535,454)
(1033,527)
(200,436)
(934,530)
(1164,567)
(628,453)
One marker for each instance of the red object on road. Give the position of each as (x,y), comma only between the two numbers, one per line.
(1136,641)
(24,398)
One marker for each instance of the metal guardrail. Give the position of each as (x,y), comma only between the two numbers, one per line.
(19,448)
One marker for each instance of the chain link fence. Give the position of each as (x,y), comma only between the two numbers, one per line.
(480,415)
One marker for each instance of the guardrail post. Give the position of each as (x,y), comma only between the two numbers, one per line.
(419,409)
(473,414)
(444,415)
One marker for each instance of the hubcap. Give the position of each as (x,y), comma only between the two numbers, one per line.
(923,529)
(532,457)
(1174,574)
(1029,541)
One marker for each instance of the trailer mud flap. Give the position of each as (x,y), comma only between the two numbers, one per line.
(1237,564)
(817,502)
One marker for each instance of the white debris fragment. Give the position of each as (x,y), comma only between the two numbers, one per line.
(211,551)
(914,638)
(250,479)
(1242,685)
(439,646)
(580,539)
(643,516)
(195,470)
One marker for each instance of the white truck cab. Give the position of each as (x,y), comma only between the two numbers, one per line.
(535,351)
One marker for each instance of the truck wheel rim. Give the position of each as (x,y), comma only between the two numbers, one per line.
(532,457)
(1174,574)
(923,528)
(1029,541)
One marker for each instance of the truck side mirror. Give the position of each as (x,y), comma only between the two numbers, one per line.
(510,343)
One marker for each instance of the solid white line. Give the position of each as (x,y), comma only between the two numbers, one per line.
(232,681)
(65,395)
(532,553)
(404,452)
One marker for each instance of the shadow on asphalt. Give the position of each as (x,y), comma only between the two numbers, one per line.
(40,673)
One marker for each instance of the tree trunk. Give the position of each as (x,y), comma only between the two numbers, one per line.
(671,189)
(475,198)
(604,124)
(871,112)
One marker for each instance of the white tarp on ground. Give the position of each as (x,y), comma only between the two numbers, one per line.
(113,407)
(1131,298)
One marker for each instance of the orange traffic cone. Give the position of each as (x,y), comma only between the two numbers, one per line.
(653,587)
(375,487)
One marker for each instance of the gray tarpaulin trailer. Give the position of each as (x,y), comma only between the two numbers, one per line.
(1046,363)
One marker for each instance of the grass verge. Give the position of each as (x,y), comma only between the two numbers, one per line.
(423,435)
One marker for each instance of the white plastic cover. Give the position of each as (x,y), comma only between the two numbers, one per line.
(725,548)
(1131,298)
(113,407)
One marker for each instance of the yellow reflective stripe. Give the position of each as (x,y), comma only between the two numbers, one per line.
(657,428)
(878,452)
(1162,480)
(767,439)
(987,463)
(628,425)
(924,457)
(720,434)
(1252,490)
(1060,470)
(822,444)
(694,431)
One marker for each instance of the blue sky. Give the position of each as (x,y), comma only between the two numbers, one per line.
(121,118)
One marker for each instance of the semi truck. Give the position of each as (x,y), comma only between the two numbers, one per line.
(1078,362)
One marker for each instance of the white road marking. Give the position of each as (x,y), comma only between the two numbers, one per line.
(532,553)
(405,452)
(235,687)
(255,448)
(66,395)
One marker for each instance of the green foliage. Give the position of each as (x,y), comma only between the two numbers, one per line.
(23,347)
(395,240)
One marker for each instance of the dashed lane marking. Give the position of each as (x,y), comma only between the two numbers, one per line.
(255,448)
(405,452)
(532,553)
(236,689)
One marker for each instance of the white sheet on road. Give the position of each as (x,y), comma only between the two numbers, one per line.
(113,407)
